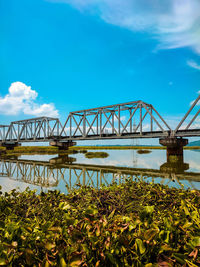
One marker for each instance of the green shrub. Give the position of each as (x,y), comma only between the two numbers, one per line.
(131,224)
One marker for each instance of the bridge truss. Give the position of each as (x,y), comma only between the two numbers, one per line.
(190,124)
(128,120)
(31,130)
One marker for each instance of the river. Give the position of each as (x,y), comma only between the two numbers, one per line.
(51,172)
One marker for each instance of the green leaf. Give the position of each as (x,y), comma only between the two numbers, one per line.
(184,206)
(62,262)
(179,257)
(195,242)
(49,246)
(111,214)
(3,262)
(76,262)
(150,234)
(140,245)
(111,258)
(190,264)
(149,209)
(187,225)
(64,206)
(46,264)
(91,211)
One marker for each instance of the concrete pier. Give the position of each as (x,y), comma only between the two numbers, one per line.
(175,162)
(9,145)
(62,145)
(174,147)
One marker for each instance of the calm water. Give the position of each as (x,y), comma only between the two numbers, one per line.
(44,172)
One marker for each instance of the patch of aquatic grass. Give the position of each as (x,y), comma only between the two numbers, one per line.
(130,147)
(91,155)
(32,150)
(118,147)
(35,148)
(143,151)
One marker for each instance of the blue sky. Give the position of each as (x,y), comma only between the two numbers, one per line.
(57,56)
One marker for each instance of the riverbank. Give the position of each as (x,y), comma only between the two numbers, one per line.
(131,224)
(81,149)
(31,150)
(131,147)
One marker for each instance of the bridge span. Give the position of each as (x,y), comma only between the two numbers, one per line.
(121,121)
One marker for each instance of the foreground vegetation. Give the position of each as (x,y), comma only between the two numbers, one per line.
(132,224)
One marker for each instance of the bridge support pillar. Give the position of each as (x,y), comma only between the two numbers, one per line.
(174,148)
(9,145)
(175,161)
(62,145)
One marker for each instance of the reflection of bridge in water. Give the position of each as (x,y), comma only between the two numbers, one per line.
(49,174)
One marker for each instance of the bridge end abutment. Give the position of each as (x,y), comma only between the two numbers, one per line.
(9,145)
(62,145)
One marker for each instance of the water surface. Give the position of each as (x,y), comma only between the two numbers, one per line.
(50,172)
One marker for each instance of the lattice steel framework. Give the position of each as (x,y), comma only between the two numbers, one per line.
(187,126)
(36,129)
(133,119)
(3,132)
(128,120)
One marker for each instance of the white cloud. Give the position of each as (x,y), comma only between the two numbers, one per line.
(21,99)
(193,64)
(122,118)
(176,23)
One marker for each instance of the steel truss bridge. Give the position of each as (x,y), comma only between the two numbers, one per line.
(49,174)
(128,120)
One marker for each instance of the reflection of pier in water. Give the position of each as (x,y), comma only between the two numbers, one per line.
(48,174)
